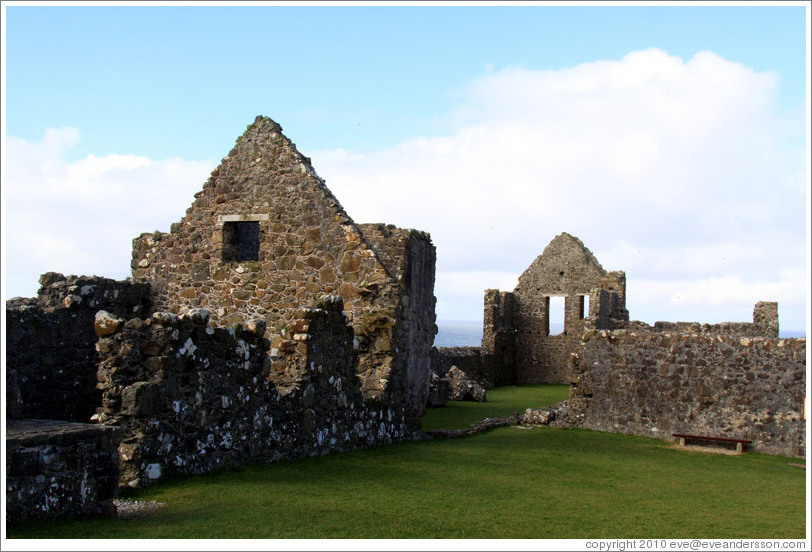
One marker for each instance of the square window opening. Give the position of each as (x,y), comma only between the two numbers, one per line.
(240,241)
(556,315)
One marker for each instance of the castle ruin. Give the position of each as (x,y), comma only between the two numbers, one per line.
(266,324)
(734,379)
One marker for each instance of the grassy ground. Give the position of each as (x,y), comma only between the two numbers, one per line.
(502,401)
(506,483)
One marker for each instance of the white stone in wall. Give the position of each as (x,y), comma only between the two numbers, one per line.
(153,471)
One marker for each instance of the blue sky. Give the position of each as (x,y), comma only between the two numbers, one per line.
(672,140)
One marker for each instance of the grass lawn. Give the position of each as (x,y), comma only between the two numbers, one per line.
(502,401)
(505,483)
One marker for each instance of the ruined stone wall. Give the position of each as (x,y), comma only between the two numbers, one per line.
(192,398)
(477,363)
(265,199)
(545,358)
(51,356)
(765,324)
(307,246)
(410,259)
(499,338)
(658,383)
(58,469)
(565,269)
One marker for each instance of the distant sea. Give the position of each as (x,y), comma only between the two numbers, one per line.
(458,333)
(461,333)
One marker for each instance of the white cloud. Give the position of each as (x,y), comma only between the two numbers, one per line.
(676,171)
(721,298)
(669,169)
(81,217)
(462,292)
(724,290)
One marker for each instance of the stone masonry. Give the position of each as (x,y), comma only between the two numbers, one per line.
(60,469)
(517,324)
(266,324)
(734,379)
(265,237)
(658,383)
(51,354)
(191,398)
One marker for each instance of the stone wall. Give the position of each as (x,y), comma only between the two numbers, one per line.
(265,237)
(764,324)
(261,243)
(517,324)
(192,398)
(59,469)
(51,357)
(659,383)
(410,259)
(306,245)
(477,363)
(499,337)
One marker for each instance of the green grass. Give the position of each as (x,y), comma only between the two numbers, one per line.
(505,483)
(502,401)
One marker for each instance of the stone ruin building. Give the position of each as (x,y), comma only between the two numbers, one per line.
(266,324)
(735,379)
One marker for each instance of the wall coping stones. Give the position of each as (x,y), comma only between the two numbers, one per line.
(32,432)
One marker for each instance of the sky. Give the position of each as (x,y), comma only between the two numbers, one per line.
(672,139)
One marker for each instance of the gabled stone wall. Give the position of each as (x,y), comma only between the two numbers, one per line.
(733,379)
(517,323)
(261,246)
(305,246)
(565,268)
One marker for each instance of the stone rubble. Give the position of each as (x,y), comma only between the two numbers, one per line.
(463,388)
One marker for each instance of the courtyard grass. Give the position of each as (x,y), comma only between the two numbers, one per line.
(506,483)
(502,401)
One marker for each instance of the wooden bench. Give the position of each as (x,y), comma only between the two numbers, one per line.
(739,442)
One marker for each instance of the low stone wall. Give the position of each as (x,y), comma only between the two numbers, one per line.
(60,469)
(51,355)
(474,361)
(656,384)
(192,398)
(545,358)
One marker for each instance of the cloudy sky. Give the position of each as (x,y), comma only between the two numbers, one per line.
(671,140)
